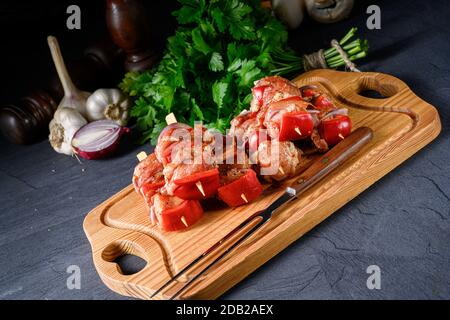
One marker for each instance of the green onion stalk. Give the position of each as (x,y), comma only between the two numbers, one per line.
(287,63)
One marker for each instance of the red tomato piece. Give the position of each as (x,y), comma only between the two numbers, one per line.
(198,186)
(295,126)
(323,103)
(241,191)
(180,217)
(335,129)
(258,93)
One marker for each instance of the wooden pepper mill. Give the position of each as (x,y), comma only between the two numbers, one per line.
(27,120)
(129,27)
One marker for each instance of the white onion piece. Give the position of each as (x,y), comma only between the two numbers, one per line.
(341,112)
(98,139)
(153,217)
(316,120)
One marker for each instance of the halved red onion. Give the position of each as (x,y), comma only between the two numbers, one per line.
(341,111)
(98,139)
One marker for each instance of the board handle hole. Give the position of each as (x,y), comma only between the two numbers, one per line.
(373,94)
(125,254)
(130,264)
(372,88)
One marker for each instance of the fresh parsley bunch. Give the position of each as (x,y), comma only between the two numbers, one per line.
(208,68)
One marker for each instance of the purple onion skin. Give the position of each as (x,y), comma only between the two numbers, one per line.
(104,153)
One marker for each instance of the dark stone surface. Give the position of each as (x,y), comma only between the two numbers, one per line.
(401,223)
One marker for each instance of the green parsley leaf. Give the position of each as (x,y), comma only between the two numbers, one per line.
(216,63)
(248,73)
(218,18)
(199,43)
(236,64)
(197,112)
(243,29)
(219,90)
(191,11)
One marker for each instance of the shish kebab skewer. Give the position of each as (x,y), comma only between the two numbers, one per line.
(150,193)
(143,156)
(288,114)
(156,197)
(171,119)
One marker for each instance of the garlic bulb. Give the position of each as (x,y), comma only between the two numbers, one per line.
(73,97)
(65,123)
(111,104)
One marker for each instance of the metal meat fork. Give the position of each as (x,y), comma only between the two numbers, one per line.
(316,172)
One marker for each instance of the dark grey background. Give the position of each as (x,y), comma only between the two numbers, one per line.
(401,223)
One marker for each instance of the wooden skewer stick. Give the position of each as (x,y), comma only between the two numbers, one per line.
(341,136)
(141,156)
(183,219)
(298,131)
(171,119)
(78,159)
(244,197)
(200,188)
(281,170)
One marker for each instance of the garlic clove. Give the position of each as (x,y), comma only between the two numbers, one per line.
(116,96)
(63,126)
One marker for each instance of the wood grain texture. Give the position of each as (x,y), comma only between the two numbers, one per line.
(402,125)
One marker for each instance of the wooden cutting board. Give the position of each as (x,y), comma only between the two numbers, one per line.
(402,124)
